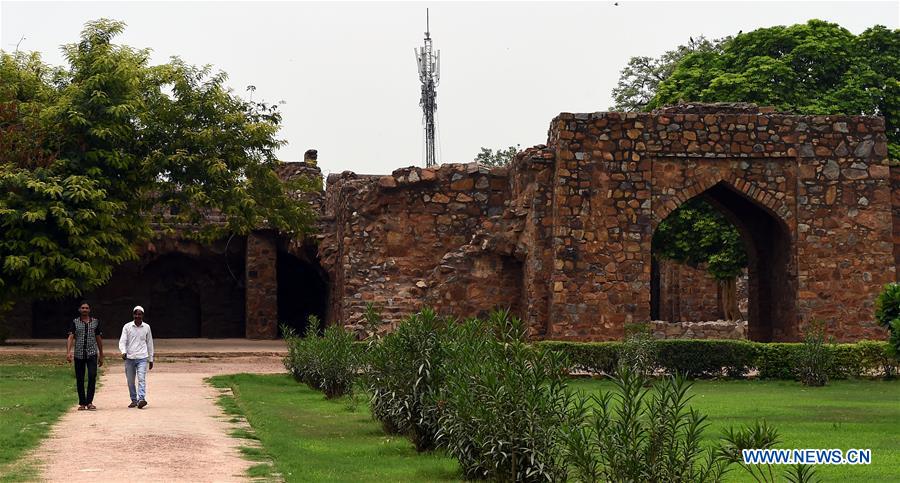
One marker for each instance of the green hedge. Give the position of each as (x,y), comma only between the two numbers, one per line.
(732,358)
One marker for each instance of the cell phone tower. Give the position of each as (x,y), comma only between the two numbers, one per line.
(429,62)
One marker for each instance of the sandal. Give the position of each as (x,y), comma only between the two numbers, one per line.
(91,407)
(81,408)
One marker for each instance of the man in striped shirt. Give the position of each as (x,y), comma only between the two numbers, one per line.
(86,338)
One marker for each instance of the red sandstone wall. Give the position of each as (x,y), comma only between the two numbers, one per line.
(687,293)
(392,234)
(822,179)
(565,232)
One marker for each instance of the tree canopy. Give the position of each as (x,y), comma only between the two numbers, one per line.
(812,68)
(500,157)
(639,80)
(94,156)
(696,233)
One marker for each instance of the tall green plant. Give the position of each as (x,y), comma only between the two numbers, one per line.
(337,362)
(639,349)
(815,359)
(636,433)
(505,407)
(404,373)
(94,154)
(328,363)
(641,434)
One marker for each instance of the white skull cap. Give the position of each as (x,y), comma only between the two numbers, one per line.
(136,308)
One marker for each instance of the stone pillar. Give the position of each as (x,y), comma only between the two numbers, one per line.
(262,287)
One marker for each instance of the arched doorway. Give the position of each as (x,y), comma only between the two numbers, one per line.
(174,308)
(771,273)
(302,291)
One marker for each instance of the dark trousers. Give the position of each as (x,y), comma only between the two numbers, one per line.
(91,365)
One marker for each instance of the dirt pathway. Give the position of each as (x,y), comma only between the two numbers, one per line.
(180,436)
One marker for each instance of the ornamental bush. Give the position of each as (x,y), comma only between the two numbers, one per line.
(887,305)
(699,358)
(404,371)
(815,359)
(706,358)
(504,408)
(328,363)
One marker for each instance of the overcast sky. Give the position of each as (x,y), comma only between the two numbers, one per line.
(347,73)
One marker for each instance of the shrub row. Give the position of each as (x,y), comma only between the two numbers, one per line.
(733,358)
(329,362)
(476,389)
(501,407)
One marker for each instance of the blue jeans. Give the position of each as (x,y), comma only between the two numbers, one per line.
(139,367)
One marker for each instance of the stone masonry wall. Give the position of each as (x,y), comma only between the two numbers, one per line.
(895,201)
(687,293)
(562,236)
(262,286)
(394,237)
(714,329)
(819,185)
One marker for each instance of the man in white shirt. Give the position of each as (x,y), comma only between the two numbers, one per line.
(136,346)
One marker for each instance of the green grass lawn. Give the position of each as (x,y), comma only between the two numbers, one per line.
(313,439)
(843,414)
(32,398)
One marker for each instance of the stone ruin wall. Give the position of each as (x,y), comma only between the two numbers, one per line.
(395,237)
(563,235)
(712,329)
(689,293)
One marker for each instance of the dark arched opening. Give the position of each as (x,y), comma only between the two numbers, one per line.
(174,308)
(302,292)
(771,309)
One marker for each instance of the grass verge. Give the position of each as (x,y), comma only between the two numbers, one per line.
(314,439)
(855,414)
(264,470)
(32,398)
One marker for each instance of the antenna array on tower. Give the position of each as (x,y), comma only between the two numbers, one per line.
(429,62)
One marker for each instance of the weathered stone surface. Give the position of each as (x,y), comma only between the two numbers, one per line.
(713,329)
(563,235)
(262,287)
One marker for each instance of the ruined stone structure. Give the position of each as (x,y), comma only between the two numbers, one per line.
(686,293)
(711,329)
(562,236)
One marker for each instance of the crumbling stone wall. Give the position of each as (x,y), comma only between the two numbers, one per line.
(712,329)
(395,236)
(811,195)
(562,235)
(688,293)
(895,201)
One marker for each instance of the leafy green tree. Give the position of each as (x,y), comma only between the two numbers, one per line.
(640,79)
(100,155)
(887,313)
(812,68)
(696,233)
(500,157)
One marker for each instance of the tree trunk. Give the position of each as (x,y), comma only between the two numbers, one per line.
(728,292)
